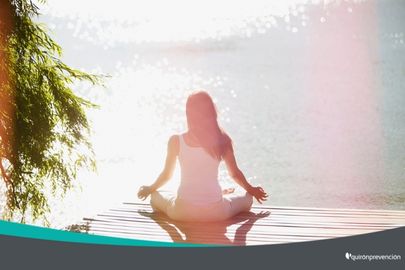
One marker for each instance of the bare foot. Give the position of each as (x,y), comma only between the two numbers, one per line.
(228,191)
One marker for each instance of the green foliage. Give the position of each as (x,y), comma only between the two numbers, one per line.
(47,122)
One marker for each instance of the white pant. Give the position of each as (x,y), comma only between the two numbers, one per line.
(178,209)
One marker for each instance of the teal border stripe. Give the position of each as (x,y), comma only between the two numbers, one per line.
(36,232)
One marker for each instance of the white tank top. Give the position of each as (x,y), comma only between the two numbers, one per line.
(199,175)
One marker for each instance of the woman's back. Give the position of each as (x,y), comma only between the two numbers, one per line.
(199,197)
(199,175)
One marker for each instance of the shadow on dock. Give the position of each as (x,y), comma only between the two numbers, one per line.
(215,232)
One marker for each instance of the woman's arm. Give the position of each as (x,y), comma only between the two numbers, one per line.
(166,174)
(240,178)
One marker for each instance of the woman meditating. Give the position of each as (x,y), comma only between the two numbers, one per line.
(200,150)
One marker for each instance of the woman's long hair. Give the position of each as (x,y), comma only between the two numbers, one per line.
(203,124)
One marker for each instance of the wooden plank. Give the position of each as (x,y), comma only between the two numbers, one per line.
(293,208)
(324,222)
(271,231)
(331,212)
(211,235)
(202,240)
(240,226)
(287,212)
(273,217)
(274,224)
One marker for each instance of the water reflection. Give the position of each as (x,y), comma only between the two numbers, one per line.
(311,92)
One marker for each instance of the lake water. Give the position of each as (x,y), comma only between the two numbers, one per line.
(311,92)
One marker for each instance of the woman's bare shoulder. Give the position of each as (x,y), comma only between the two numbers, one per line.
(175,138)
(174,142)
(227,140)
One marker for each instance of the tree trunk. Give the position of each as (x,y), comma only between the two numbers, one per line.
(6,90)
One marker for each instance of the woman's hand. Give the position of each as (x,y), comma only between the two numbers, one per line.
(258,193)
(144,192)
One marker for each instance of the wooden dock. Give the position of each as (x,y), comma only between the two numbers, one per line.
(263,225)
